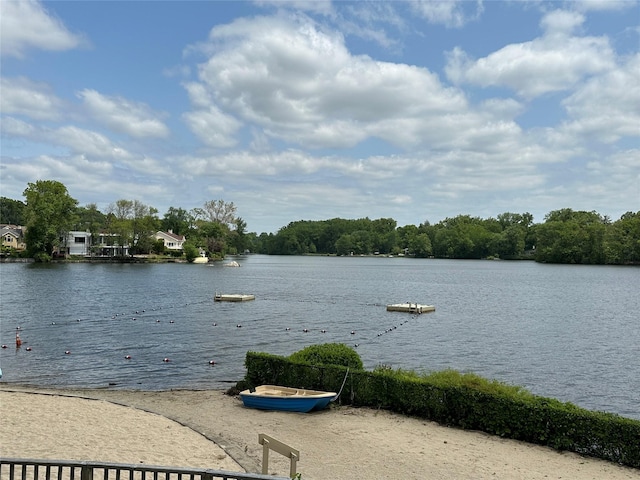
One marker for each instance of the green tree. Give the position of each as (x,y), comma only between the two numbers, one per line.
(287,243)
(216,228)
(420,245)
(238,237)
(190,251)
(220,211)
(509,243)
(569,236)
(253,242)
(213,237)
(178,220)
(345,244)
(471,237)
(622,240)
(362,242)
(89,218)
(265,244)
(330,232)
(383,234)
(145,224)
(158,247)
(49,215)
(406,234)
(133,224)
(119,225)
(453,238)
(11,211)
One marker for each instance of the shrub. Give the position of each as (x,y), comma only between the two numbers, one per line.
(42,257)
(457,399)
(453,378)
(328,354)
(190,252)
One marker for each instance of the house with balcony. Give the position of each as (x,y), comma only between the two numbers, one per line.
(110,245)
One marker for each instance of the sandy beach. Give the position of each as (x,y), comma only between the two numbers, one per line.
(213,430)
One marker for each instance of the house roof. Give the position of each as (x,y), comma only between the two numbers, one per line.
(172,236)
(11,230)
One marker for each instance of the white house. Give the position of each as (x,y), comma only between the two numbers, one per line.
(171,240)
(76,243)
(108,245)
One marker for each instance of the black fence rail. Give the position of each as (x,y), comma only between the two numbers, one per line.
(29,469)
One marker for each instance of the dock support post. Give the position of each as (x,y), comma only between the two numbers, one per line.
(265,455)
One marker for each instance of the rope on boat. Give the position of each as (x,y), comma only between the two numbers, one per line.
(343,382)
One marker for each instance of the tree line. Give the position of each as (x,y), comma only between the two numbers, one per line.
(565,236)
(49,212)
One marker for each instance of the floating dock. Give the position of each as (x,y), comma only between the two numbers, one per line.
(410,308)
(236,297)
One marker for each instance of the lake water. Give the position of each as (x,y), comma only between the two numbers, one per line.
(568,332)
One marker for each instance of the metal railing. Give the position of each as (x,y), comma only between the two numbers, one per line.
(29,469)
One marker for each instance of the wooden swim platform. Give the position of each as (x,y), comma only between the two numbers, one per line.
(410,308)
(235,297)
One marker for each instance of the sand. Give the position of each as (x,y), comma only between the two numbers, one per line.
(210,429)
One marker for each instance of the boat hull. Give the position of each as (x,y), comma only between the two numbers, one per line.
(272,397)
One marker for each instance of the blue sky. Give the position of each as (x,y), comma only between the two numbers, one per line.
(315,110)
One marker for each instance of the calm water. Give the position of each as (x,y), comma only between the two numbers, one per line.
(569,332)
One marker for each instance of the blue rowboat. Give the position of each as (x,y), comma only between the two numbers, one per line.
(286,399)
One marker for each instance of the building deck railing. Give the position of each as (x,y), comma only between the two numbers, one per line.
(29,469)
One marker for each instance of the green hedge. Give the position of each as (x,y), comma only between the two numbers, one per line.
(328,354)
(465,401)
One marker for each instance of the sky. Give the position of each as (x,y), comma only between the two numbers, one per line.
(295,110)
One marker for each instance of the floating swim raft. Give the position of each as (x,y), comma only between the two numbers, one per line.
(234,297)
(410,308)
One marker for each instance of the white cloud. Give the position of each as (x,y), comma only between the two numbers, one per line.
(124,116)
(562,22)
(252,164)
(607,107)
(213,127)
(210,124)
(502,108)
(85,142)
(505,167)
(450,13)
(21,96)
(554,62)
(300,84)
(199,96)
(92,147)
(273,185)
(370,21)
(13,127)
(101,181)
(260,142)
(64,169)
(624,168)
(26,24)
(294,121)
(79,141)
(602,5)
(611,182)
